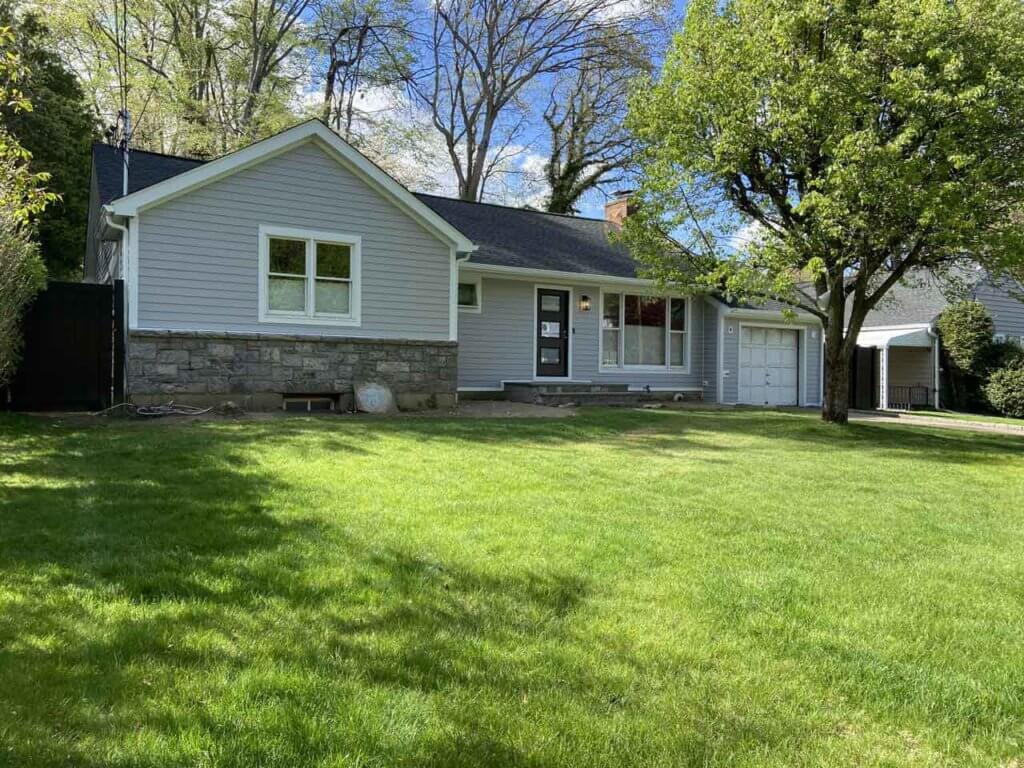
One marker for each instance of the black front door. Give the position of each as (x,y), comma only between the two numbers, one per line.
(552,332)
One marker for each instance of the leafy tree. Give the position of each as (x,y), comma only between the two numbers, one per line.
(22,196)
(58,132)
(866,141)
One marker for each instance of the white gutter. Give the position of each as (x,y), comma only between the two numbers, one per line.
(526,273)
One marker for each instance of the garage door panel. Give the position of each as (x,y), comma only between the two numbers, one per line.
(769,366)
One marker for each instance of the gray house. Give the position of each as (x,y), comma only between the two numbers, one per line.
(295,267)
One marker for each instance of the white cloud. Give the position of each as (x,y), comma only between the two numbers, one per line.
(751,232)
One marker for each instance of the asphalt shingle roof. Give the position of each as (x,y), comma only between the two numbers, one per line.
(144,169)
(918,300)
(520,237)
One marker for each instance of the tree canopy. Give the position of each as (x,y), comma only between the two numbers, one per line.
(57,132)
(818,153)
(23,196)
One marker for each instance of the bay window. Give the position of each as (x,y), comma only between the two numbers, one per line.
(308,277)
(640,331)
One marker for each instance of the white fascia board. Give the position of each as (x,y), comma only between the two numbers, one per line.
(801,318)
(131,205)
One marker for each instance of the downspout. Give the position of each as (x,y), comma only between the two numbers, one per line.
(455,304)
(121,258)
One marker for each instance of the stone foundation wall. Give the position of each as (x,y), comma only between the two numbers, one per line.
(256,370)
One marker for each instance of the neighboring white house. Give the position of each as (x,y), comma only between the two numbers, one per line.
(295,267)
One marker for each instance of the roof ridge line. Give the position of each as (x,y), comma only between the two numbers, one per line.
(513,207)
(96,144)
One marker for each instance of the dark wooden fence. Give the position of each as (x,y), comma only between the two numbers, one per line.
(73,353)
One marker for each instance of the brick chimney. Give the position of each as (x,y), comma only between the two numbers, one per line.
(619,207)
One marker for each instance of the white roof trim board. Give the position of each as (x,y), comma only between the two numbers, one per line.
(312,130)
(895,337)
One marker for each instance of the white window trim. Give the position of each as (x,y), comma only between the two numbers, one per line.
(622,367)
(266,315)
(476,280)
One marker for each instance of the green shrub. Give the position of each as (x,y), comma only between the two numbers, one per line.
(1005,388)
(966,329)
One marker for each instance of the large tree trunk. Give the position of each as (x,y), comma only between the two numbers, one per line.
(836,407)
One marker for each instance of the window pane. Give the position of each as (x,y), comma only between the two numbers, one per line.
(287,294)
(288,256)
(333,260)
(678,314)
(550,330)
(550,303)
(644,338)
(467,295)
(332,297)
(609,347)
(610,313)
(550,355)
(677,349)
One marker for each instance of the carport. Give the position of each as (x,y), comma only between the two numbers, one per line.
(901,366)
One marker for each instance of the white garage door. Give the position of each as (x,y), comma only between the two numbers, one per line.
(768,366)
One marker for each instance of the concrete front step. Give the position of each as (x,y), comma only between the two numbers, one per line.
(553,393)
(609,398)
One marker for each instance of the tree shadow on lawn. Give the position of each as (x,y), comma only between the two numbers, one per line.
(152,600)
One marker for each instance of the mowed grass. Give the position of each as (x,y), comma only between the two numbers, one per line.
(622,588)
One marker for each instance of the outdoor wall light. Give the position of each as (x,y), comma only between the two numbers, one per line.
(584,303)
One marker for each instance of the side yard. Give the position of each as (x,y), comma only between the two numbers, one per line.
(651,588)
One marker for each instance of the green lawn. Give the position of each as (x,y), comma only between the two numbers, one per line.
(656,588)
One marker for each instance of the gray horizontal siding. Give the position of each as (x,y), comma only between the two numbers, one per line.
(709,335)
(497,344)
(730,335)
(198,253)
(1007,312)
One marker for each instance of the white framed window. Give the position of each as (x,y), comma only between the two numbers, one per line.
(309,277)
(642,331)
(470,294)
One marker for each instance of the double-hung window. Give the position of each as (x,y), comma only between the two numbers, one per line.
(309,277)
(640,331)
